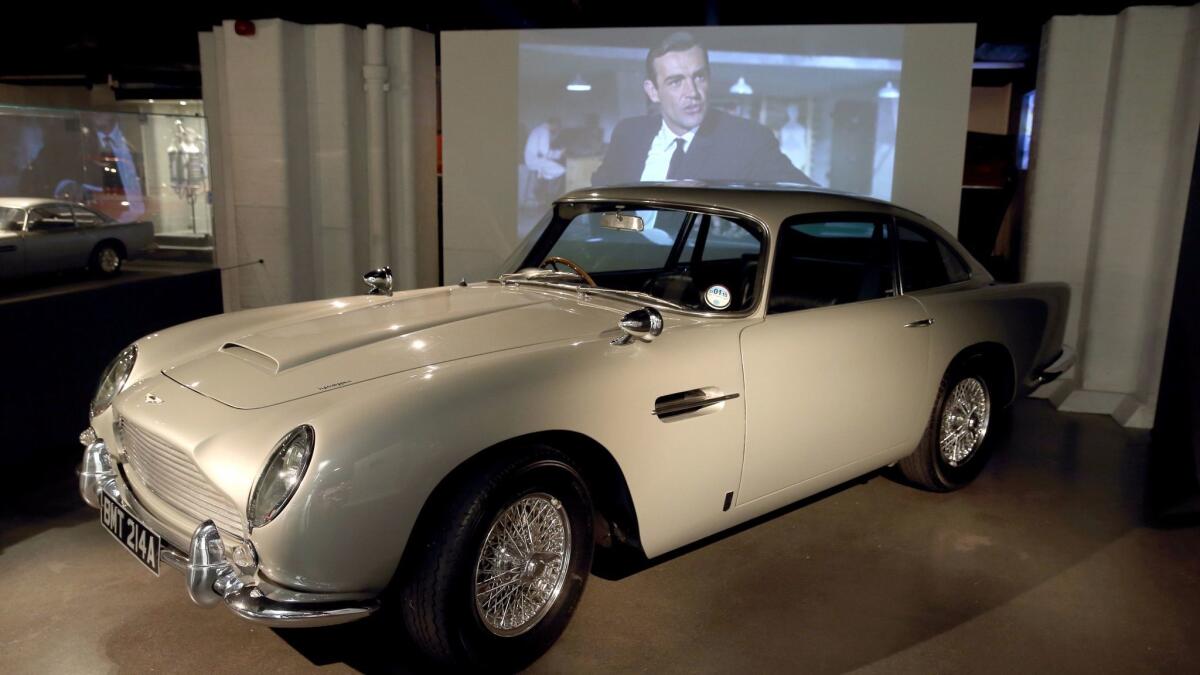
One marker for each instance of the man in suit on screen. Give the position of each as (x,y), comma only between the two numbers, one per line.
(685,139)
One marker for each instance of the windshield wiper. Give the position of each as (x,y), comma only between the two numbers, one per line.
(537,275)
(640,296)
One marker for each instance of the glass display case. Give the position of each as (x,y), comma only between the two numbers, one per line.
(141,166)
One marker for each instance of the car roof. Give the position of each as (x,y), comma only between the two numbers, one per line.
(770,203)
(28,202)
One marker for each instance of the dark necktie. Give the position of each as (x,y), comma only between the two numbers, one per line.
(677,158)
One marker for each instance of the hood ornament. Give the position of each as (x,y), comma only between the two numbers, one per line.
(153,399)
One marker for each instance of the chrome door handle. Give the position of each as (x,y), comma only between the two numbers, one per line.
(685,402)
(919,324)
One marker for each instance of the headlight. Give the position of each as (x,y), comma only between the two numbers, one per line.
(113,379)
(279,480)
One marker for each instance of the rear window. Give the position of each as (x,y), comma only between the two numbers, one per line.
(926,261)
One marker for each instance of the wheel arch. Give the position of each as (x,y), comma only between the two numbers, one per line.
(617,533)
(999,369)
(118,244)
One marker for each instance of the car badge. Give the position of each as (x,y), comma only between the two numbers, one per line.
(153,399)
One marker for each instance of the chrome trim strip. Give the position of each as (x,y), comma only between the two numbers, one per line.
(684,406)
(919,324)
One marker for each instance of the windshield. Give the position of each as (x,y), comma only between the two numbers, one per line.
(11,220)
(698,261)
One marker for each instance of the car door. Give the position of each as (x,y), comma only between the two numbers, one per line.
(51,239)
(91,227)
(12,250)
(832,370)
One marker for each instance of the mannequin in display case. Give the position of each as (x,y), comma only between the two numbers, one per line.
(186,157)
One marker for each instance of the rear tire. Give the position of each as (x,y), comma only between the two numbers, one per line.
(502,564)
(955,445)
(106,260)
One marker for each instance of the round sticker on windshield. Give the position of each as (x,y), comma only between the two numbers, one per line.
(717,297)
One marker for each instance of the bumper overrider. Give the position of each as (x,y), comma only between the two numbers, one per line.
(211,577)
(1061,363)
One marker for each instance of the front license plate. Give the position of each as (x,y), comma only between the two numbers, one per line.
(138,539)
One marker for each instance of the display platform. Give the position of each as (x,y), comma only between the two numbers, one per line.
(60,332)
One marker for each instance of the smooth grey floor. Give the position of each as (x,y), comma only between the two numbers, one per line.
(1045,563)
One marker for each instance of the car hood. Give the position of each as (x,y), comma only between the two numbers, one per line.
(363,339)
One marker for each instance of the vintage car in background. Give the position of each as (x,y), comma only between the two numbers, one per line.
(456,456)
(46,235)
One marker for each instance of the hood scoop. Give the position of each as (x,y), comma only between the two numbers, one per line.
(251,356)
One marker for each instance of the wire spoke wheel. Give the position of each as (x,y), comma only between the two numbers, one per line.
(964,422)
(522,564)
(110,260)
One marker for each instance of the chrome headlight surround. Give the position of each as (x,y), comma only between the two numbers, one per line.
(113,380)
(282,475)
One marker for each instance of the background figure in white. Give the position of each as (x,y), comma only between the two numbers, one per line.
(540,156)
(793,139)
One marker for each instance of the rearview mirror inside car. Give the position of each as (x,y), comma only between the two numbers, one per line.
(621,221)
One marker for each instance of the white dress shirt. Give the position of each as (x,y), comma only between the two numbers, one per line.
(662,148)
(540,157)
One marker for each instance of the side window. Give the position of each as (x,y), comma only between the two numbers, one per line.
(51,218)
(87,217)
(956,267)
(926,261)
(725,240)
(728,241)
(818,264)
(11,220)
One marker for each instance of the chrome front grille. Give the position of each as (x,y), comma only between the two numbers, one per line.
(174,478)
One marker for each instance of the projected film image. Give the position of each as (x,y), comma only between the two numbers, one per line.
(805,105)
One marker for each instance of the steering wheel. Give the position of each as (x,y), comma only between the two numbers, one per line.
(554,261)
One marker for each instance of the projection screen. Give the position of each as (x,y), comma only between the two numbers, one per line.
(529,115)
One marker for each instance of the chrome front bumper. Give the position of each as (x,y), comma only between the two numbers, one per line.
(211,577)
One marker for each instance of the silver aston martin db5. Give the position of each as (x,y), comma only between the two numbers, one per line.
(46,235)
(654,364)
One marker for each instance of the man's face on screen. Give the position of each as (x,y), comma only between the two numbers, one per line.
(681,88)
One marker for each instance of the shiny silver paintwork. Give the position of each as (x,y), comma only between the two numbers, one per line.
(30,251)
(403,389)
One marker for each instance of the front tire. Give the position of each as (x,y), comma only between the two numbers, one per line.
(502,564)
(955,445)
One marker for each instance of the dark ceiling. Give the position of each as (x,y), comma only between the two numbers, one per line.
(152,50)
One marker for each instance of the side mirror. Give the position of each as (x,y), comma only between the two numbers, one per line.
(379,280)
(621,221)
(643,324)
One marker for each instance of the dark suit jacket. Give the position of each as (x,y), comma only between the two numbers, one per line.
(725,148)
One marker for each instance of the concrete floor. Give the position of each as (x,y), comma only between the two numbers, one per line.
(1045,563)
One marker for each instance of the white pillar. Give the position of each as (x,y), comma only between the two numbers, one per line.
(375,75)
(1115,134)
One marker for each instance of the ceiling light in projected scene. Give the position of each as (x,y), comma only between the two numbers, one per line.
(578,84)
(741,88)
(889,91)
